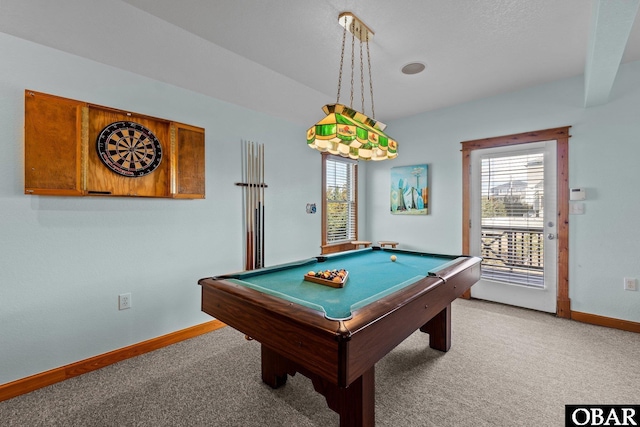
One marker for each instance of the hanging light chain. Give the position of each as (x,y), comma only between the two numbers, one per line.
(373,111)
(353,40)
(344,36)
(362,79)
(362,33)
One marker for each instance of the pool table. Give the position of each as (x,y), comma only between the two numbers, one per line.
(335,335)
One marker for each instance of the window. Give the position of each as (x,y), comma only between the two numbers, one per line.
(512,216)
(340,206)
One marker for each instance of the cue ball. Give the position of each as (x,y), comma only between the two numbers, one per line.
(393,258)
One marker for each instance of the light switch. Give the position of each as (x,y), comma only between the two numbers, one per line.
(576,208)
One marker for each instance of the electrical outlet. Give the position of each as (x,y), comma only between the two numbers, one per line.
(630,284)
(124,301)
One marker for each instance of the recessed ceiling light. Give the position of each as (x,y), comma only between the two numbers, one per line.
(413,68)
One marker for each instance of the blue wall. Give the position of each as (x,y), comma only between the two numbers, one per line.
(64,260)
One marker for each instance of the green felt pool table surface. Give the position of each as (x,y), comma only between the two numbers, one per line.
(372,275)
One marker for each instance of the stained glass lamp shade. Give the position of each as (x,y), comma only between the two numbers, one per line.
(345,131)
(349,133)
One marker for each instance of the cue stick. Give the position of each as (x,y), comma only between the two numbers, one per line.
(262,198)
(254,196)
(248,222)
(257,207)
(251,208)
(259,228)
(246,225)
(243,163)
(256,226)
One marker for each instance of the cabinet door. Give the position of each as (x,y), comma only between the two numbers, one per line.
(53,131)
(188,162)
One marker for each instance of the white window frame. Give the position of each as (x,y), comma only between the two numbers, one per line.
(329,176)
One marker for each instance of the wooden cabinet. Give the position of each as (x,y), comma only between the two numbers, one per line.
(63,157)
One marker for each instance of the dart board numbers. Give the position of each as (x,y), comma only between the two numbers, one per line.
(129,149)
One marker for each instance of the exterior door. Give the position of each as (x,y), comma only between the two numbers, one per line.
(513,200)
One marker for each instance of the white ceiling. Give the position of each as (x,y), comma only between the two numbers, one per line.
(472,48)
(282,56)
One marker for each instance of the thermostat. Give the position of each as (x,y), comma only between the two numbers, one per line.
(577,194)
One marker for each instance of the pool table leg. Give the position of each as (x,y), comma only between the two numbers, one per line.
(275,368)
(355,404)
(439,330)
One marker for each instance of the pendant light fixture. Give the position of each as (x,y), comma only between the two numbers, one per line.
(345,131)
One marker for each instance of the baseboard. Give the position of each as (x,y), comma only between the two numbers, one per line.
(34,382)
(594,319)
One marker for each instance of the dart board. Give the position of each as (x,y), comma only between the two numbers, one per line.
(129,149)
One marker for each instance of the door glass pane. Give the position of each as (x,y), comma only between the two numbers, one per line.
(512,226)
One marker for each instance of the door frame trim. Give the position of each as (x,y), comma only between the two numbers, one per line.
(561,136)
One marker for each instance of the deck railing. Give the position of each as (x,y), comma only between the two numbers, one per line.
(513,254)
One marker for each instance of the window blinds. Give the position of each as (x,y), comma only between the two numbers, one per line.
(512,218)
(341,203)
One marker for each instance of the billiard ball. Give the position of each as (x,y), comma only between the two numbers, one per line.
(393,258)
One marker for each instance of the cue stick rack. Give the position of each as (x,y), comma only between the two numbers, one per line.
(253,186)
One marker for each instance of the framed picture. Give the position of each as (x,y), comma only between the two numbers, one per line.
(410,190)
